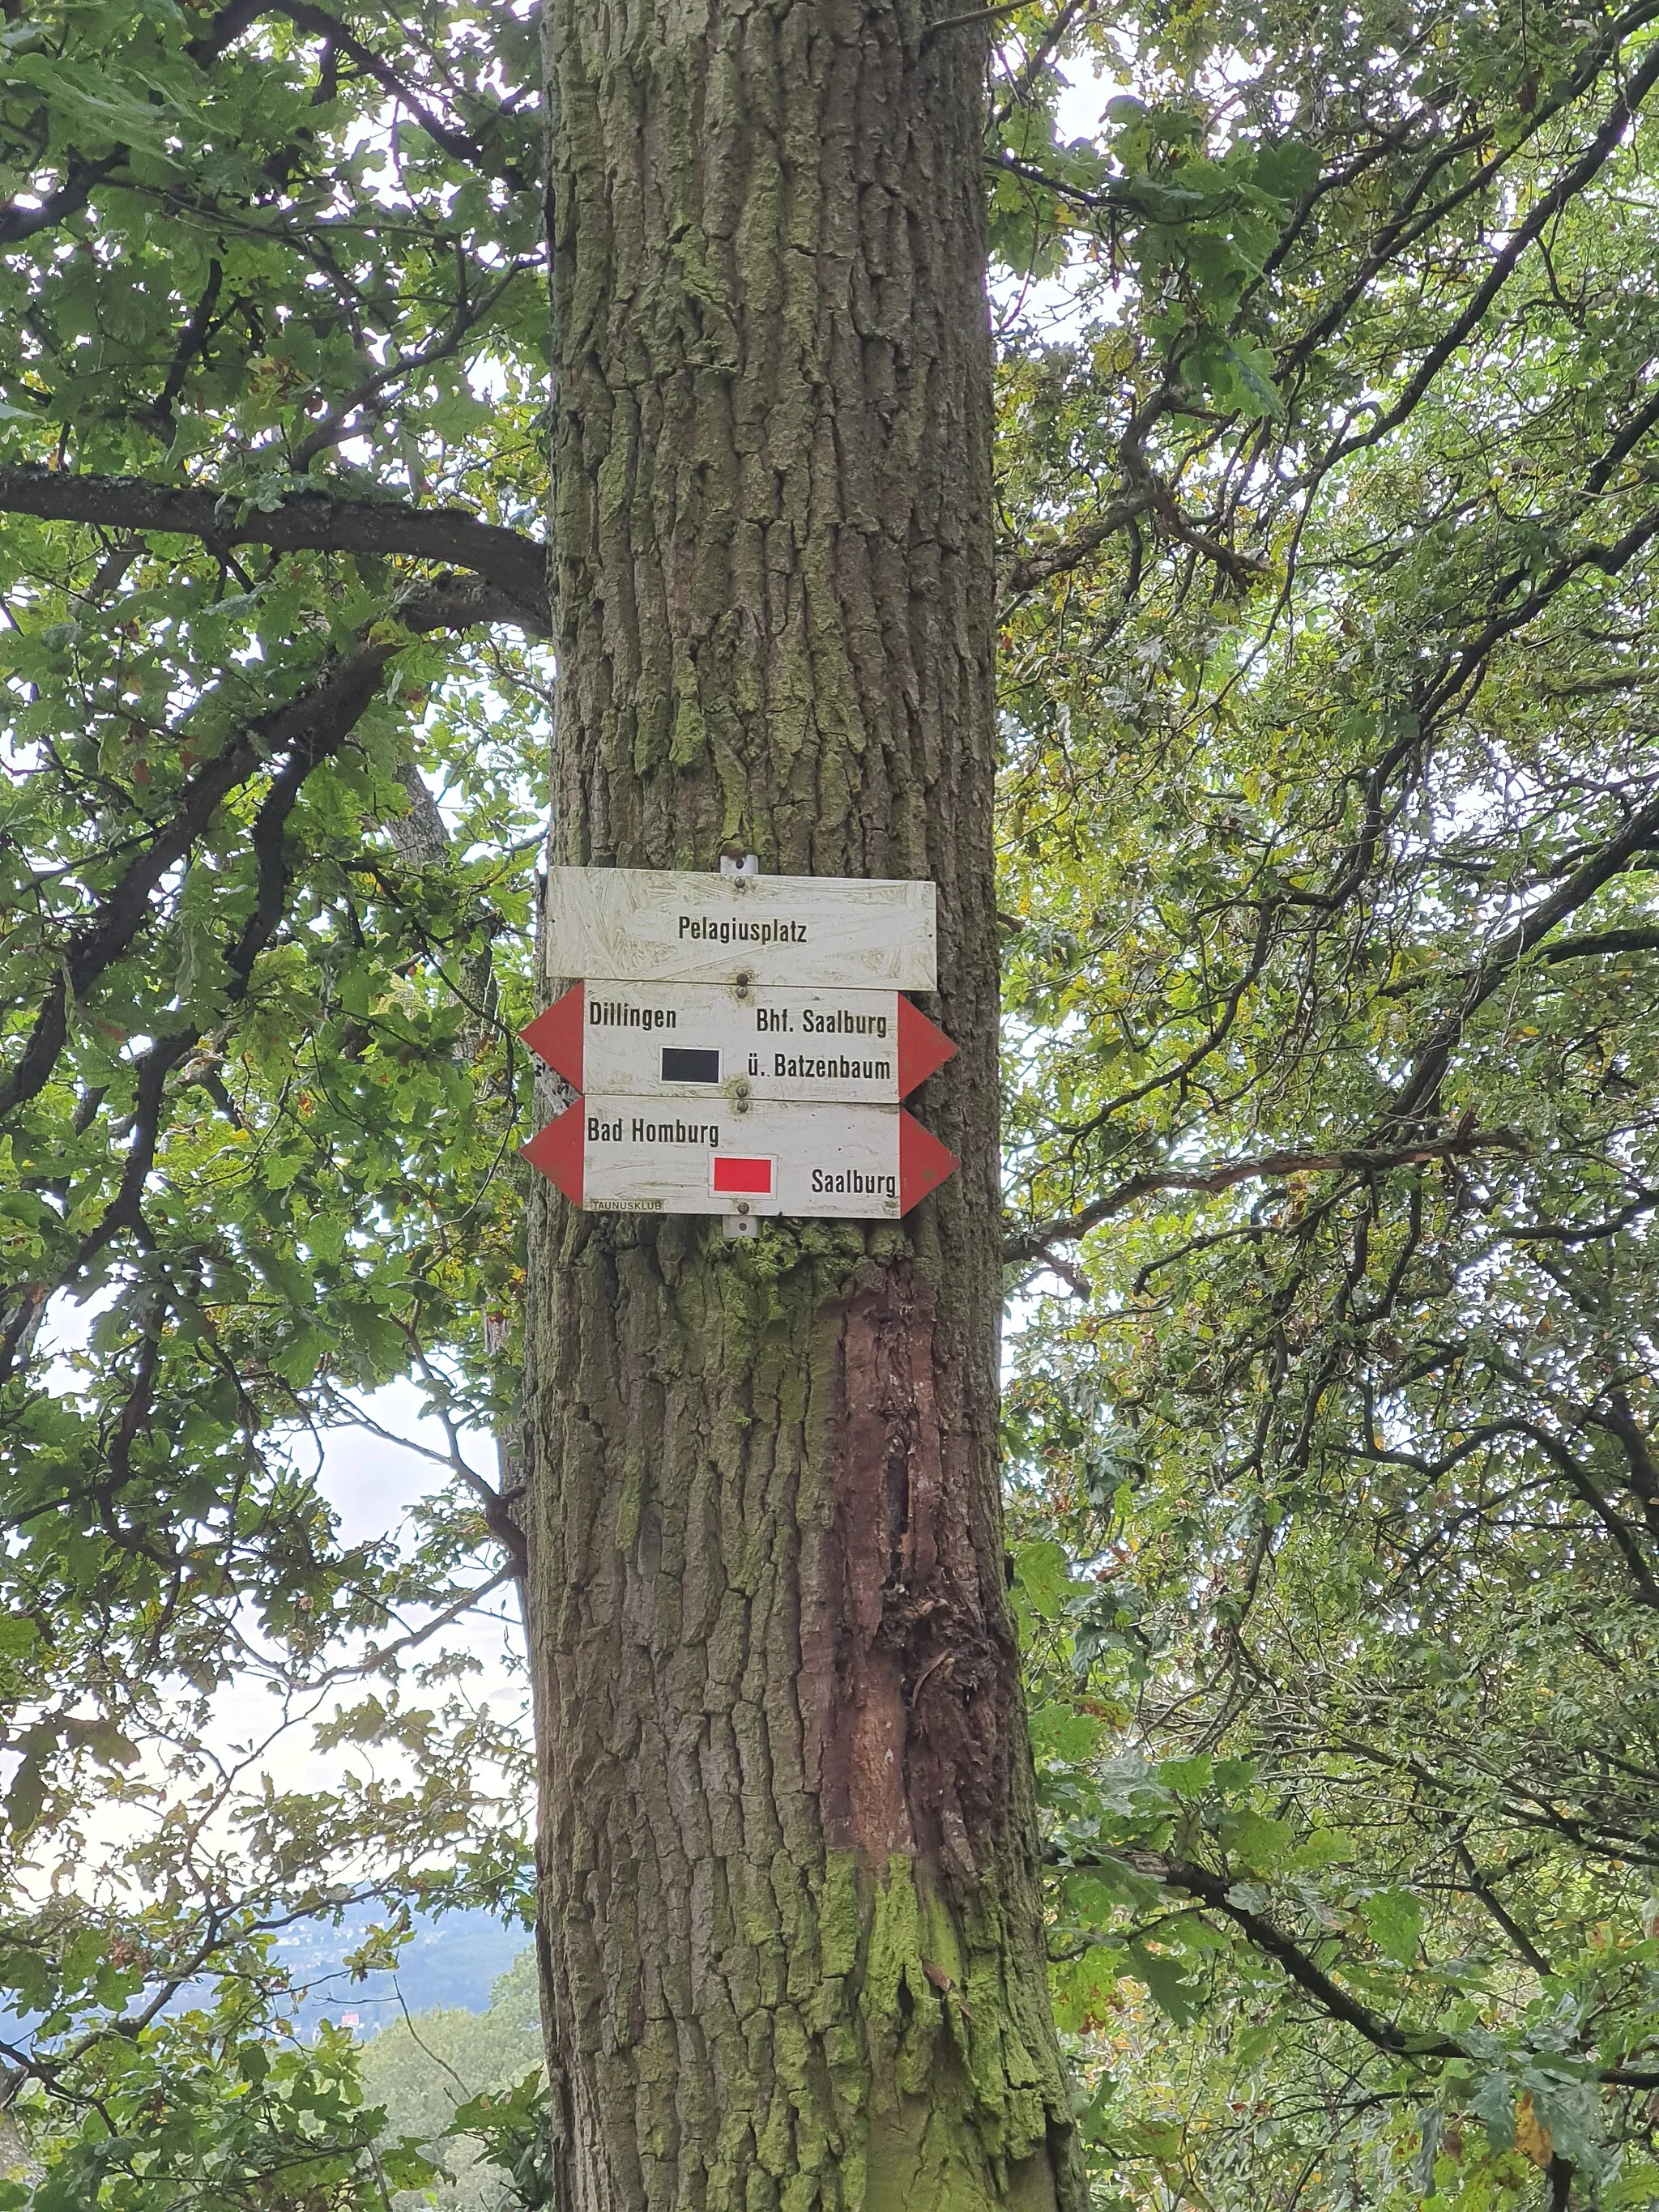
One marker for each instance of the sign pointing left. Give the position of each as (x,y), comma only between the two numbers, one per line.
(698,1040)
(621,1155)
(739,1044)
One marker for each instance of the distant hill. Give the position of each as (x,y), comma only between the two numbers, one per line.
(451,1961)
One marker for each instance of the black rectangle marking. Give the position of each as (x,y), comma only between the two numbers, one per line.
(684,1064)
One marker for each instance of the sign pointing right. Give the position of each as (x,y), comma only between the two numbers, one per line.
(867,1048)
(739,1045)
(620,1155)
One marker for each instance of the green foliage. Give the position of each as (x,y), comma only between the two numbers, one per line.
(467,2087)
(1328,826)
(512,2125)
(213,2105)
(1328,822)
(270,692)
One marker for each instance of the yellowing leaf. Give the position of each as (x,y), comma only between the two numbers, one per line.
(1531,2137)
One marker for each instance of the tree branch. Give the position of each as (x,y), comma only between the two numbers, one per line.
(313,724)
(1482,1888)
(1579,1477)
(460,145)
(1606,942)
(1408,225)
(1214,1892)
(338,704)
(1421,1086)
(18,223)
(1035,569)
(1032,1243)
(307,520)
(1600,150)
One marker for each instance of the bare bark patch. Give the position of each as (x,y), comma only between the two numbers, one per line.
(907,1681)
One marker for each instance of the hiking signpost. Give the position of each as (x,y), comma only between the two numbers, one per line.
(739,1044)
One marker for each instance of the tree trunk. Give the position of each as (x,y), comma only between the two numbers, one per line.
(793,1952)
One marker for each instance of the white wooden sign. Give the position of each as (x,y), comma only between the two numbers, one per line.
(654,925)
(656,1155)
(729,1046)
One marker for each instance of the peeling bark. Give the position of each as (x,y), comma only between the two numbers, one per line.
(791,1940)
(908,1667)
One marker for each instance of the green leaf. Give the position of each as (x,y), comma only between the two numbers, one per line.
(1188,1777)
(1493,2103)
(1393,1921)
(1060,1732)
(1179,1999)
(1042,1572)
(25,1799)
(1256,1841)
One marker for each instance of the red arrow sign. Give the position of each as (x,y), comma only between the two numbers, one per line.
(811,1162)
(558,1150)
(922,1046)
(869,1048)
(924,1163)
(557,1036)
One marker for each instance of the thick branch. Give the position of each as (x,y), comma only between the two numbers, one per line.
(1482,1887)
(307,520)
(1422,1085)
(18,223)
(1605,943)
(460,145)
(1215,1892)
(1623,1536)
(313,725)
(1583,171)
(317,726)
(1411,222)
(1468,670)
(1057,560)
(1029,1243)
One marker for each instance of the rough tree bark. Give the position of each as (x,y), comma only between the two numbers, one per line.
(792,1947)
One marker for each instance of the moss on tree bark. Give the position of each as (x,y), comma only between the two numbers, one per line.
(791,1944)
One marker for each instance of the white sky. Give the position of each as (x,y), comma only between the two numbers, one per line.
(372,1484)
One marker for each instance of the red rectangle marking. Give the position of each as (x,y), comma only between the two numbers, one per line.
(734,1174)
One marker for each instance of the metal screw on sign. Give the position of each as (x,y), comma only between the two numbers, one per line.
(742,1223)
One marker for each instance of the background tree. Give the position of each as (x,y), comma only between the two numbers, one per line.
(422,2069)
(275,350)
(1329,829)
